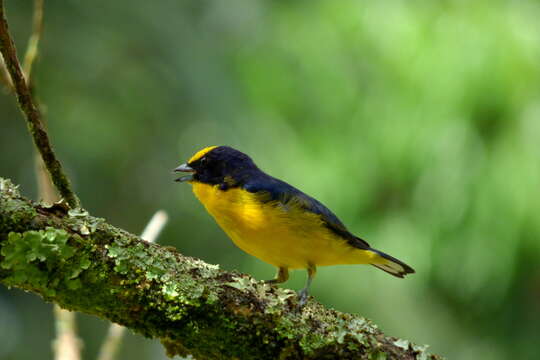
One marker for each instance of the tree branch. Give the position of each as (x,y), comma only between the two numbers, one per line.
(84,264)
(32,113)
(111,344)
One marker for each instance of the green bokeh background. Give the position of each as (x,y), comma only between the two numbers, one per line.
(416,122)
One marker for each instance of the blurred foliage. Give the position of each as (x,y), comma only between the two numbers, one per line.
(417,122)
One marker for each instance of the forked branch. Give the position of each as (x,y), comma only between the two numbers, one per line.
(32,113)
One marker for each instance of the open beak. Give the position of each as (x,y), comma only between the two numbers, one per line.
(184,168)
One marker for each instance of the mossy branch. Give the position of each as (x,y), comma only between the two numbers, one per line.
(32,113)
(84,264)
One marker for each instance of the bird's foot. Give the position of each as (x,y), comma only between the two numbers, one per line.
(302,297)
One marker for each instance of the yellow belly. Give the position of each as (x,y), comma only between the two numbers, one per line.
(286,237)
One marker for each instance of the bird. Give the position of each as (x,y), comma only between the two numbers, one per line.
(274,221)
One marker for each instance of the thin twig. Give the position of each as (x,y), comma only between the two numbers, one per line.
(33,42)
(112,342)
(4,76)
(32,114)
(67,345)
(31,50)
(46,190)
(154,226)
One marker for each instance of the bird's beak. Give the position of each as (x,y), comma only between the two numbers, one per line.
(184,168)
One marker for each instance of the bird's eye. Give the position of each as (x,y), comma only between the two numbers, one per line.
(203,160)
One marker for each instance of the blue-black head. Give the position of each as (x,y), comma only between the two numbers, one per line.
(217,165)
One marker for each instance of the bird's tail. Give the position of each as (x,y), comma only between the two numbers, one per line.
(390,264)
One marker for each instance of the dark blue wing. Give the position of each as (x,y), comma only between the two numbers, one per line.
(277,190)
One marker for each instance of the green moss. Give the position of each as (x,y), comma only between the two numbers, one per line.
(275,304)
(404,344)
(31,255)
(178,290)
(242,283)
(378,355)
(357,328)
(8,187)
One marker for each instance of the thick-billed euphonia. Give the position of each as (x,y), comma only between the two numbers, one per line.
(274,221)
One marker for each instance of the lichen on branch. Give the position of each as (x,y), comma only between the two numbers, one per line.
(84,264)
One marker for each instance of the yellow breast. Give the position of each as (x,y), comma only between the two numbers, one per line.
(286,236)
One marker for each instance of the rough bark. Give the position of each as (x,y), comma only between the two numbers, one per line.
(84,264)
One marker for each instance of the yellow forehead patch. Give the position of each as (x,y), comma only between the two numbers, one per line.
(201,153)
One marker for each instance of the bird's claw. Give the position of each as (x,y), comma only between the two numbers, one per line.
(302,297)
